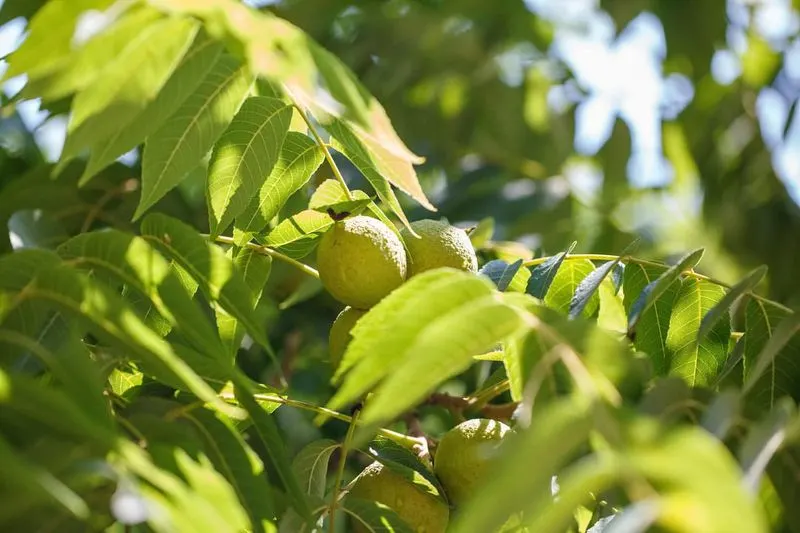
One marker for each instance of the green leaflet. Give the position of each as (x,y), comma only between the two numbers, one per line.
(244,157)
(189,133)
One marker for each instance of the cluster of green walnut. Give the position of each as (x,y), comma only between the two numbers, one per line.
(360,261)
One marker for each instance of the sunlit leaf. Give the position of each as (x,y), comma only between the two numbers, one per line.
(128,85)
(255,269)
(419,335)
(189,133)
(50,36)
(655,289)
(565,284)
(133,261)
(298,159)
(244,157)
(653,324)
(297,236)
(698,363)
(193,68)
(345,141)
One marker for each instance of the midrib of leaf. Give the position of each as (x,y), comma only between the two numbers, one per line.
(194,120)
(662,344)
(316,461)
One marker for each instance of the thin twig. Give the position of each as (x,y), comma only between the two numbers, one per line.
(266,250)
(337,484)
(322,144)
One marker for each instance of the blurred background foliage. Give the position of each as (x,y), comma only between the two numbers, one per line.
(547,121)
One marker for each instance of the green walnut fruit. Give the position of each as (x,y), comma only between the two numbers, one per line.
(423,512)
(439,245)
(463,458)
(339,336)
(361,260)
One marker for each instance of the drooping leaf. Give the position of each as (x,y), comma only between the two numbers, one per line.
(771,348)
(345,141)
(422,333)
(244,157)
(736,292)
(784,473)
(298,159)
(565,284)
(267,431)
(255,269)
(500,272)
(128,85)
(195,498)
(543,275)
(71,292)
(405,463)
(24,476)
(576,485)
(207,263)
(698,363)
(655,289)
(652,327)
(193,68)
(311,465)
(764,439)
(235,460)
(133,261)
(697,477)
(173,150)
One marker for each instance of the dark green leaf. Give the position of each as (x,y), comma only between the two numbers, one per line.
(543,275)
(374,517)
(721,309)
(268,432)
(311,465)
(500,272)
(764,439)
(405,462)
(588,286)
